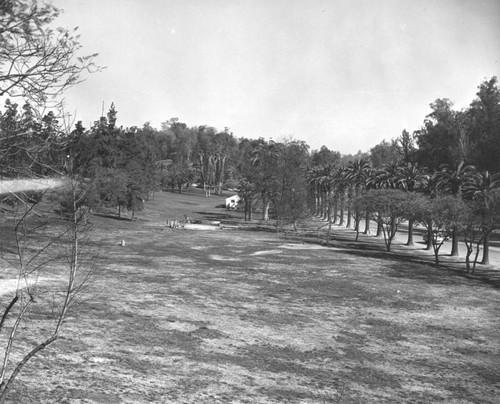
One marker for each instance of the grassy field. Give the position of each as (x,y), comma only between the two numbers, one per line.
(230,316)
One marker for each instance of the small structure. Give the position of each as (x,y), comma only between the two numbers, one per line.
(232,202)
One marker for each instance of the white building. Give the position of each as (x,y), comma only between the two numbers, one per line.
(232,202)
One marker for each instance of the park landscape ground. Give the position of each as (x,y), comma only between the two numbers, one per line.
(242,316)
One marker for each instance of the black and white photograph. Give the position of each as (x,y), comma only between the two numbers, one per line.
(249,201)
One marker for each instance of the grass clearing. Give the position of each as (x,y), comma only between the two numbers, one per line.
(187,316)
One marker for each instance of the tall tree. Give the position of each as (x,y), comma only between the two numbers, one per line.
(265,159)
(357,173)
(383,153)
(484,115)
(411,179)
(438,140)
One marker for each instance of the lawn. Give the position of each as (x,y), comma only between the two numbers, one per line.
(231,316)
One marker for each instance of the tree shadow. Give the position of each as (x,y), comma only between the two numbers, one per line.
(445,273)
(217,216)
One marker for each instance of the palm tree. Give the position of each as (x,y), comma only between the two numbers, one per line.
(388,176)
(313,176)
(411,178)
(451,180)
(264,159)
(357,173)
(327,183)
(341,186)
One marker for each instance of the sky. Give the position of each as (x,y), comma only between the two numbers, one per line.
(345,74)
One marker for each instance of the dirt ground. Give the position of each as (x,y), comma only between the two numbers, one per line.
(230,316)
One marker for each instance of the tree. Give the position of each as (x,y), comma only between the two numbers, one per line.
(411,179)
(289,198)
(442,216)
(383,153)
(386,177)
(405,146)
(452,180)
(247,192)
(484,190)
(36,61)
(357,174)
(473,234)
(37,64)
(484,127)
(389,208)
(38,247)
(265,159)
(438,140)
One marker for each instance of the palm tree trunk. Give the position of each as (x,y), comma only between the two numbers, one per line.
(379,228)
(265,209)
(486,250)
(367,223)
(335,210)
(341,222)
(454,244)
(410,232)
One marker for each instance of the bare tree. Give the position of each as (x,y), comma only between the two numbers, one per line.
(37,61)
(47,266)
(41,254)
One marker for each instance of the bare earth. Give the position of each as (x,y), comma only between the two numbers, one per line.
(229,316)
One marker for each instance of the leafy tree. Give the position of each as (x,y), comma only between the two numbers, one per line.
(484,190)
(248,193)
(484,127)
(388,207)
(383,153)
(438,140)
(265,159)
(441,216)
(405,146)
(289,198)
(473,234)
(325,156)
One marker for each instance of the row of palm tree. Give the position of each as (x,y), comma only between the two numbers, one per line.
(335,188)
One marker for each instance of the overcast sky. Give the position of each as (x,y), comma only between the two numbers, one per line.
(341,73)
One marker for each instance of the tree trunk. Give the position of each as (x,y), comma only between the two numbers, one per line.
(349,214)
(486,250)
(410,232)
(367,223)
(265,210)
(454,244)
(341,222)
(429,240)
(379,228)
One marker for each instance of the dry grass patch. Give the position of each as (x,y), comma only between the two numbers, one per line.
(184,316)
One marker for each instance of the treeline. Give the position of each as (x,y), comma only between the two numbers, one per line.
(445,176)
(453,153)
